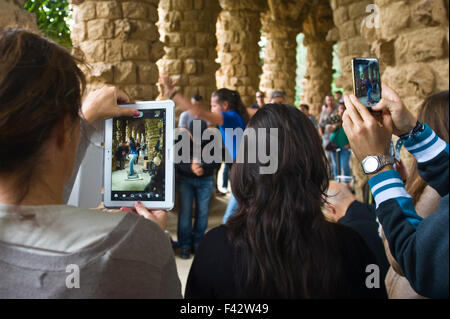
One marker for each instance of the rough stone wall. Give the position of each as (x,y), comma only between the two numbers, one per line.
(279,55)
(12,14)
(348,16)
(319,60)
(412,45)
(188,31)
(121,44)
(238,33)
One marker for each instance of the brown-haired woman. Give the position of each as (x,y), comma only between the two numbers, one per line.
(46,247)
(278,243)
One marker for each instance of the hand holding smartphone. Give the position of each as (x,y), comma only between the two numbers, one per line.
(366,81)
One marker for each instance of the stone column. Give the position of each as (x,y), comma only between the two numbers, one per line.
(238,34)
(13,14)
(279,69)
(415,64)
(121,44)
(348,17)
(188,31)
(319,60)
(121,131)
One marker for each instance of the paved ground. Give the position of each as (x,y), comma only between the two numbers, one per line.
(217,209)
(120,181)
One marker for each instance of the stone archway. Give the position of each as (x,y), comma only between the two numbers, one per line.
(280,26)
(238,33)
(188,31)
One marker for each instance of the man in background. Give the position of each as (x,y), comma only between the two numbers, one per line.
(305,109)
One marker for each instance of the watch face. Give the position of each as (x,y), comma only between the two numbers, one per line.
(370,164)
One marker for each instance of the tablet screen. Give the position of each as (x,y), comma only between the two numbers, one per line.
(138,161)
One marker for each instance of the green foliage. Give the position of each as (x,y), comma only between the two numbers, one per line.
(52,18)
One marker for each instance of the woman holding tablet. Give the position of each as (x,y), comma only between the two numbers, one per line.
(228,113)
(47,248)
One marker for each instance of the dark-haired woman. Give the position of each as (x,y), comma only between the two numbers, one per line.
(278,244)
(49,249)
(228,112)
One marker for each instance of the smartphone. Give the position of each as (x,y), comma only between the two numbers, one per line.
(366,81)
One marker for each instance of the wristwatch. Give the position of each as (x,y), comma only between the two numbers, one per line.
(373,164)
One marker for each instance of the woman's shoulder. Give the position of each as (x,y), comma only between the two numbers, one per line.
(126,235)
(216,236)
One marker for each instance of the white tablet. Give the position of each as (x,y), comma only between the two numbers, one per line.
(139,157)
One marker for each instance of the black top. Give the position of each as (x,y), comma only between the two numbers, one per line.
(184,169)
(361,217)
(212,272)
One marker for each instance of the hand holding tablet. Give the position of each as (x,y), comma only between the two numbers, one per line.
(139,157)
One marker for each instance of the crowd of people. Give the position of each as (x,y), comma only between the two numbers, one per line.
(290,234)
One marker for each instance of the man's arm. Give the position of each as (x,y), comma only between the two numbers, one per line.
(420,246)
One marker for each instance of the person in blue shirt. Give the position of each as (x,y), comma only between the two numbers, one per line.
(228,112)
(420,246)
(134,155)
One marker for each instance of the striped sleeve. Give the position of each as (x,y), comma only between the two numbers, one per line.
(426,145)
(389,185)
(431,154)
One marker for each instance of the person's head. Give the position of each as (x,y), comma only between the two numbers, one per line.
(260,98)
(304,108)
(197,100)
(434,112)
(338,95)
(157,161)
(278,97)
(329,101)
(341,109)
(131,139)
(339,198)
(40,100)
(279,231)
(227,100)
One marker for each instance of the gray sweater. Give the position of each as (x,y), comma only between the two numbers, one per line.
(134,260)
(59,251)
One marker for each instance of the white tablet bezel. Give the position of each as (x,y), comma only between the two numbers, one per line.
(168,203)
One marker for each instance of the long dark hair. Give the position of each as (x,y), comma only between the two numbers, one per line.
(434,112)
(40,84)
(234,101)
(283,245)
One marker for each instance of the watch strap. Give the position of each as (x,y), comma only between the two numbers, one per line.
(416,130)
(385,160)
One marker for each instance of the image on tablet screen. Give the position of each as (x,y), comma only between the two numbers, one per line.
(138,162)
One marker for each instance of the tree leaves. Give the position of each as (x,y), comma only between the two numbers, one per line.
(52,18)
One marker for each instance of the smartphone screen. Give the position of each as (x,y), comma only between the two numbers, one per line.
(366,81)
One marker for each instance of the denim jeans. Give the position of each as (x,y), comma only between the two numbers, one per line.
(344,163)
(132,159)
(231,208)
(189,188)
